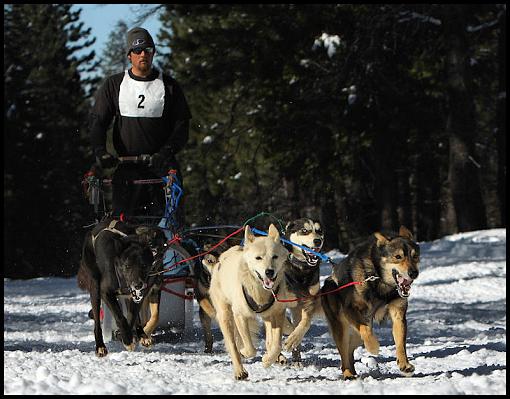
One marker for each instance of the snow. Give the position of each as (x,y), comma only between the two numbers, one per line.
(208,139)
(330,42)
(456,340)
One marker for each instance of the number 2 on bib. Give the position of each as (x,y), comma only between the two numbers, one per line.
(141,101)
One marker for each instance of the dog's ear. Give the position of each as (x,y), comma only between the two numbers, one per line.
(142,230)
(289,226)
(381,240)
(274,233)
(404,232)
(248,235)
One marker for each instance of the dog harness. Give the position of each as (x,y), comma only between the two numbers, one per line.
(300,276)
(301,264)
(254,305)
(205,278)
(111,227)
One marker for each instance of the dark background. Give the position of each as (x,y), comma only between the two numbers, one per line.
(402,122)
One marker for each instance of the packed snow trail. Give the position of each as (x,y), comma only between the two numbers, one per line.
(456,340)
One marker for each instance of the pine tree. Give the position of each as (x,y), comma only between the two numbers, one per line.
(44,120)
(114,59)
(332,110)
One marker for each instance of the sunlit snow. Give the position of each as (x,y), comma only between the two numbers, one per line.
(456,340)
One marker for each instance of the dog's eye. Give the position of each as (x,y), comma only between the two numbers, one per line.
(398,257)
(304,231)
(275,256)
(259,258)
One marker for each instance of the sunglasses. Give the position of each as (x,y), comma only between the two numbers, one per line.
(138,50)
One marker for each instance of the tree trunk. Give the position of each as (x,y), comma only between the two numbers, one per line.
(327,191)
(292,200)
(385,182)
(404,208)
(463,173)
(329,217)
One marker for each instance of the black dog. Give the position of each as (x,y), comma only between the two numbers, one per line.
(302,276)
(115,262)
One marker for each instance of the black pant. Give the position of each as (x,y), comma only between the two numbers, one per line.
(140,199)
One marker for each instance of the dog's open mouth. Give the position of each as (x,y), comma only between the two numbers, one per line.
(403,283)
(137,294)
(311,259)
(267,283)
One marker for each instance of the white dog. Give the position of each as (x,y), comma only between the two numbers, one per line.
(242,287)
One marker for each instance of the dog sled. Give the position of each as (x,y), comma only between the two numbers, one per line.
(176,303)
(181,258)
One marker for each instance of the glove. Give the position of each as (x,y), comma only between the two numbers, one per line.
(105,160)
(160,161)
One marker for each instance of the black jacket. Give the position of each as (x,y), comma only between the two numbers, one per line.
(149,131)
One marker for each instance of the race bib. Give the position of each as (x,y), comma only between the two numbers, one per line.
(142,99)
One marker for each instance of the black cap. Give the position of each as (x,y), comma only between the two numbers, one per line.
(139,37)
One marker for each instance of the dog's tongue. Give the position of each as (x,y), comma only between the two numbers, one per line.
(404,286)
(403,281)
(268,283)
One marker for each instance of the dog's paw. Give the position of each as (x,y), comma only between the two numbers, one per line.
(146,341)
(241,375)
(101,351)
(348,375)
(297,364)
(248,352)
(282,360)
(268,360)
(407,369)
(132,346)
(292,342)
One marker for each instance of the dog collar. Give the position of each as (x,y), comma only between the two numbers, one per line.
(111,227)
(254,305)
(387,297)
(302,264)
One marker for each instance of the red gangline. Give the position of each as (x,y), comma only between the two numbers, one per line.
(319,294)
(179,238)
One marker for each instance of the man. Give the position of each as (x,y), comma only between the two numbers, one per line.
(151,116)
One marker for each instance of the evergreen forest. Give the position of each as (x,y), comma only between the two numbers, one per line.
(364,116)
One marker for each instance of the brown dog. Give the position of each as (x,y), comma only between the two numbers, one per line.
(393,261)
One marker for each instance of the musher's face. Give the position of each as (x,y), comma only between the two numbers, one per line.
(141,62)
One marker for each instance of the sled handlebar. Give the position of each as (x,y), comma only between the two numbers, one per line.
(139,181)
(143,158)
